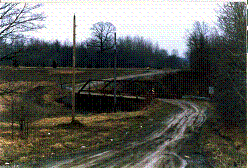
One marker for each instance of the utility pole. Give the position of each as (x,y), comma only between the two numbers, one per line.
(74,60)
(115,62)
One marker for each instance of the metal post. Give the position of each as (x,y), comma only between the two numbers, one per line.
(115,62)
(74,58)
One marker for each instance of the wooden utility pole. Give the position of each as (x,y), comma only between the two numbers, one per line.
(74,60)
(115,62)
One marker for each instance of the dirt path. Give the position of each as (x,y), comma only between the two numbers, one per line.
(155,147)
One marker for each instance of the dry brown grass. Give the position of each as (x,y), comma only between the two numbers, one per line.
(62,75)
(27,78)
(90,119)
(47,137)
(223,143)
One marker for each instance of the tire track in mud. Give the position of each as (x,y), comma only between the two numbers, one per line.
(156,150)
(176,127)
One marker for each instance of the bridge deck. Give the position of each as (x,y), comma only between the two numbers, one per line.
(111,95)
(81,86)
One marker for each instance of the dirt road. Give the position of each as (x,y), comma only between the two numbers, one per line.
(156,146)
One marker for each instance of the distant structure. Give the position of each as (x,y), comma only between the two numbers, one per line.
(54,64)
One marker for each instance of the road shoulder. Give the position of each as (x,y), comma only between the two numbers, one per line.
(223,144)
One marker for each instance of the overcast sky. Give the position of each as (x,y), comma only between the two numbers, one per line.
(163,22)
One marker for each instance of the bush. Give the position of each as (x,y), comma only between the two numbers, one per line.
(23,113)
(230,107)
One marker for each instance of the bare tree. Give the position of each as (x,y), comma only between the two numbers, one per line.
(232,21)
(198,47)
(102,36)
(15,19)
(231,47)
(22,111)
(225,53)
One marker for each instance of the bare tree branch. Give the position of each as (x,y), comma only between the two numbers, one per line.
(102,36)
(17,18)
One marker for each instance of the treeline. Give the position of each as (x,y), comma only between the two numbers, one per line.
(219,54)
(132,52)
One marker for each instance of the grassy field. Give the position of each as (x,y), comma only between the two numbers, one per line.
(43,84)
(51,136)
(48,134)
(63,75)
(25,78)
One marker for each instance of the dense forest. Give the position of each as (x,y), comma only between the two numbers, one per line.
(132,52)
(219,55)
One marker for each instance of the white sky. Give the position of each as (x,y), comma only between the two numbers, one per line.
(160,21)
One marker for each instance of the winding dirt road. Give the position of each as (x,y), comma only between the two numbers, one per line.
(156,148)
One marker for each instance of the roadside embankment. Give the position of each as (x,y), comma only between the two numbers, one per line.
(222,143)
